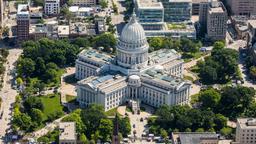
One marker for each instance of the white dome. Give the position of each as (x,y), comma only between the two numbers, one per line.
(133,32)
(134,77)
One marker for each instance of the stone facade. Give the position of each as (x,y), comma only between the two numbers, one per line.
(152,78)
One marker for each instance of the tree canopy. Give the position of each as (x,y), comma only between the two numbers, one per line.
(220,67)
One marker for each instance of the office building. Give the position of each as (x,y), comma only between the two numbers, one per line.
(196,6)
(246,131)
(216,21)
(195,138)
(23,22)
(151,17)
(84,3)
(150,14)
(52,7)
(242,7)
(67,133)
(203,11)
(177,10)
(132,74)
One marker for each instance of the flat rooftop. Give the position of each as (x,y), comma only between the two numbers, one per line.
(23,9)
(106,83)
(247,123)
(252,23)
(162,55)
(216,10)
(193,137)
(37,29)
(63,30)
(67,131)
(96,55)
(157,75)
(149,4)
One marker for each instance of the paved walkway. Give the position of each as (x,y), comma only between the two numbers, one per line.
(65,88)
(7,93)
(48,128)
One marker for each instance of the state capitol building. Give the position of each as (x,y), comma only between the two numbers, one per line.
(132,74)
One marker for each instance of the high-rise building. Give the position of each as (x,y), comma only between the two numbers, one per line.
(242,7)
(23,22)
(83,3)
(177,10)
(150,14)
(216,21)
(246,131)
(203,11)
(196,6)
(52,7)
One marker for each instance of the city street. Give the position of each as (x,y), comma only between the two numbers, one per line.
(118,19)
(7,93)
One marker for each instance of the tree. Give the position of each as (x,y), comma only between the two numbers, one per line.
(37,115)
(103,4)
(39,86)
(124,126)
(200,130)
(209,98)
(23,121)
(26,67)
(226,131)
(33,102)
(83,139)
(163,134)
(105,129)
(253,72)
(220,121)
(156,43)
(19,81)
(235,100)
(91,117)
(218,45)
(105,40)
(81,42)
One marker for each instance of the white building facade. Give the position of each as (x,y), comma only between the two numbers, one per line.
(246,131)
(152,78)
(52,7)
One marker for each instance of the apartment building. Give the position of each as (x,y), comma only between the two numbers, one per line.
(23,22)
(83,3)
(52,7)
(246,131)
(242,7)
(216,21)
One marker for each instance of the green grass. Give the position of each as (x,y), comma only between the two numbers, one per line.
(70,98)
(188,78)
(187,56)
(176,26)
(51,104)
